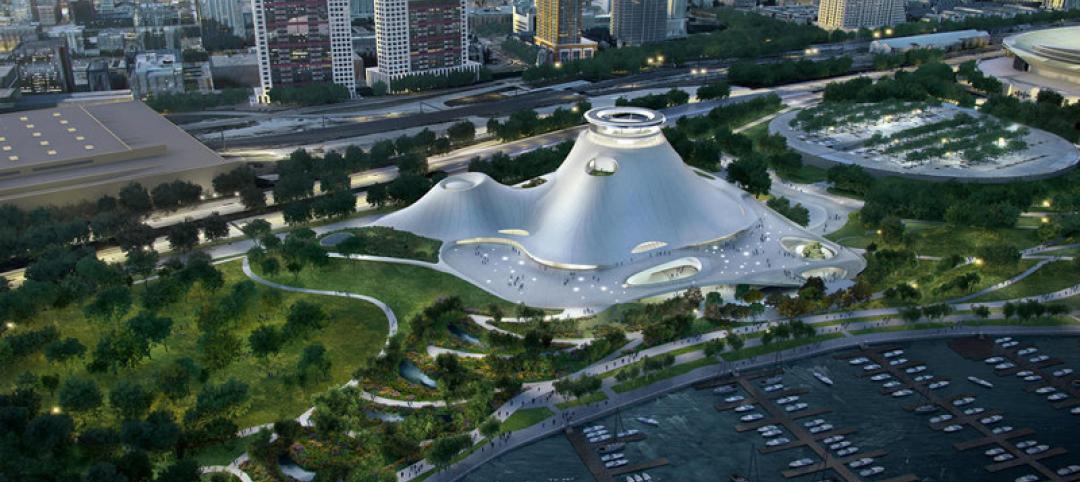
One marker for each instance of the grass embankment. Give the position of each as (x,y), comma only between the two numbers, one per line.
(669,372)
(1048,279)
(758,350)
(525,418)
(929,238)
(354,331)
(406,289)
(389,242)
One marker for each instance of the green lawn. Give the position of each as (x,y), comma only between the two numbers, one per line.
(910,326)
(587,399)
(943,240)
(381,241)
(1051,277)
(354,331)
(806,174)
(406,289)
(853,234)
(223,453)
(524,418)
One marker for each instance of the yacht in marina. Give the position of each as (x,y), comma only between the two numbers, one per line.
(1063,372)
(953,428)
(752,417)
(858,361)
(941,418)
(1004,366)
(980,382)
(648,421)
(744,408)
(847,452)
(960,402)
(1045,390)
(902,393)
(991,419)
(814,423)
(725,389)
(1003,457)
(938,384)
(1002,429)
(776,442)
(974,411)
(821,428)
(796,407)
(800,463)
(877,469)
(1027,478)
(1027,351)
(1038,358)
(863,462)
(734,398)
(994,451)
(822,378)
(774,387)
(994,360)
(1005,339)
(881,376)
(1033,378)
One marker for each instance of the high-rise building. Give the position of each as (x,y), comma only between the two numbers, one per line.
(636,22)
(676,18)
(415,37)
(44,67)
(558,29)
(228,13)
(856,14)
(301,42)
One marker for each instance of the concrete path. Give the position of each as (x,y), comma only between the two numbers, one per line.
(434,352)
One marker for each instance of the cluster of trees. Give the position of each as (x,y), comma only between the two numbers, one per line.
(507,170)
(714,90)
(312,94)
(783,331)
(525,123)
(577,387)
(421,82)
(979,81)
(933,81)
(796,212)
(812,297)
(192,101)
(670,98)
(753,74)
(526,53)
(648,365)
(746,35)
(1049,112)
(908,58)
(1032,309)
(385,241)
(977,23)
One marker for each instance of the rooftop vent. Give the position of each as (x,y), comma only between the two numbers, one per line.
(625,121)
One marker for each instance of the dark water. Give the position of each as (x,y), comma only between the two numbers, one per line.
(702,444)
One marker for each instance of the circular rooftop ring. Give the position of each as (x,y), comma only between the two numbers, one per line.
(625,121)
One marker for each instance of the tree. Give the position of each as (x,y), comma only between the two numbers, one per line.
(184,470)
(270,266)
(265,342)
(298,212)
(257,229)
(49,433)
(79,395)
(751,173)
(183,236)
(714,90)
(313,363)
(461,132)
(110,304)
(303,318)
(215,227)
(103,472)
(141,262)
(135,199)
(490,427)
(173,380)
(153,328)
(981,311)
(443,449)
(891,229)
(130,400)
(62,351)
(219,348)
(735,341)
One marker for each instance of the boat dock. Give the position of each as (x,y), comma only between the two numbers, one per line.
(1020,457)
(591,458)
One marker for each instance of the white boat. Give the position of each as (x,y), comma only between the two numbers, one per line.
(991,419)
(939,384)
(1010,344)
(890,354)
(877,469)
(1038,359)
(776,442)
(860,462)
(1024,373)
(1004,366)
(734,398)
(1027,478)
(616,463)
(787,400)
(994,451)
(923,378)
(772,433)
(902,393)
(628,433)
(744,408)
(821,428)
(926,408)
(648,421)
(953,428)
(1038,449)
(796,407)
(871,367)
(892,384)
(858,361)
(646,477)
(596,440)
(1045,390)
(1025,444)
(1002,429)
(1075,410)
(814,423)
(980,382)
(1027,351)
(751,417)
(960,402)
(822,378)
(721,390)
(848,451)
(767,428)
(994,360)
(1057,397)
(1004,339)
(630,478)
(898,361)
(1003,457)
(974,411)
(610,448)
(1063,372)
(839,445)
(592,429)
(945,417)
(881,376)
(915,369)
(1032,378)
(800,463)
(833,439)
(610,457)
(1072,469)
(773,380)
(774,387)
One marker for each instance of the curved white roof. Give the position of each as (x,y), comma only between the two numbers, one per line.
(1057,48)
(585,215)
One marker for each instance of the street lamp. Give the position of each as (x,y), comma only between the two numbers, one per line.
(888,31)
(659,59)
(558,65)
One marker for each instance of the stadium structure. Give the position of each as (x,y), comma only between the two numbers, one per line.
(622,218)
(1041,59)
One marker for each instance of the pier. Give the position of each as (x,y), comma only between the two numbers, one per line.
(589,456)
(1020,457)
